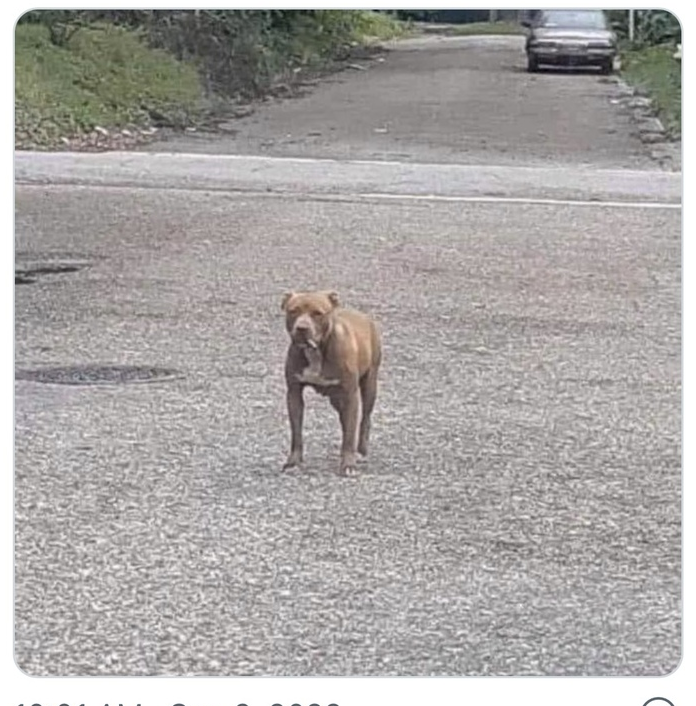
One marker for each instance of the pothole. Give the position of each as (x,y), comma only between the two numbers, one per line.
(28,272)
(98,374)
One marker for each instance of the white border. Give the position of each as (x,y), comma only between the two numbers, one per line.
(202,691)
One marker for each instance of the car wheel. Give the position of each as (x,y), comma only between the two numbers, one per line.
(607,67)
(532,64)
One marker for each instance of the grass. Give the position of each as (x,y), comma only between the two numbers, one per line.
(377,26)
(654,71)
(108,76)
(316,40)
(103,76)
(486,28)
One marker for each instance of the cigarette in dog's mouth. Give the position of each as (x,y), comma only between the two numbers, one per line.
(311,344)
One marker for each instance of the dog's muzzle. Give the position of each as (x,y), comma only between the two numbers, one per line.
(304,341)
(302,333)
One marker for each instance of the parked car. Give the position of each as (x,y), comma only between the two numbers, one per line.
(570,38)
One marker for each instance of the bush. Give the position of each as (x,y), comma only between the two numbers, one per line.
(657,27)
(76,69)
(648,62)
(655,71)
(238,52)
(652,27)
(100,75)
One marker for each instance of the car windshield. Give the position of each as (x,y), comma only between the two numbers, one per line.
(573,19)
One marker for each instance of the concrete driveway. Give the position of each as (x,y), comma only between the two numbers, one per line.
(520,511)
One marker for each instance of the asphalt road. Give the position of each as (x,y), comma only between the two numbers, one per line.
(520,511)
(445,100)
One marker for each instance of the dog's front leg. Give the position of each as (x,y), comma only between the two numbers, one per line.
(350,419)
(296,415)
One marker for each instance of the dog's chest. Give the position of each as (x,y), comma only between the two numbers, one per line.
(316,378)
(315,371)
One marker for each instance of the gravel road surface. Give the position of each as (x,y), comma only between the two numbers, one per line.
(520,513)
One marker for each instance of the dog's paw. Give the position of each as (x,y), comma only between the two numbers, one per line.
(294,461)
(349,469)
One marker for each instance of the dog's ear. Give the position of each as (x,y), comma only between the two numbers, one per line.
(286,298)
(333,298)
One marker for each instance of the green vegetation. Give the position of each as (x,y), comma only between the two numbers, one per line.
(487,28)
(376,26)
(102,76)
(312,39)
(648,62)
(654,70)
(79,69)
(651,27)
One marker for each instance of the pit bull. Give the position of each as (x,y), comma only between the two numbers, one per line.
(337,351)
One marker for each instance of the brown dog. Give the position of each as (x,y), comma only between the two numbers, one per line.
(337,352)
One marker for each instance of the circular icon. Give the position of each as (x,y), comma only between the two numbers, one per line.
(658,701)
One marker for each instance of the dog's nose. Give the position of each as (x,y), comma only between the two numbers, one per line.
(301,332)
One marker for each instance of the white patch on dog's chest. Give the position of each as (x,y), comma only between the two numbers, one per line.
(312,374)
(313,378)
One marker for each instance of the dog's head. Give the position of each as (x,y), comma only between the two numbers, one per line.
(308,316)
